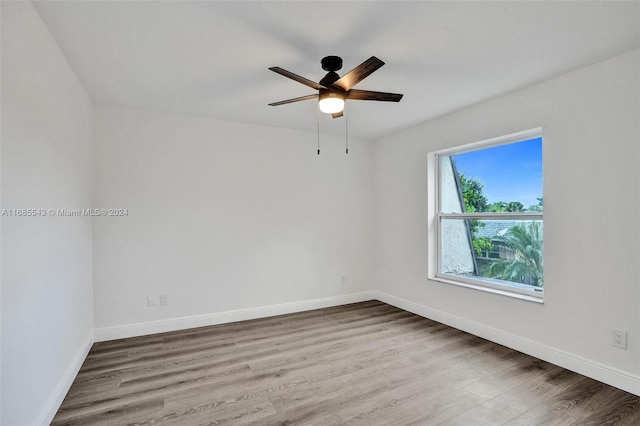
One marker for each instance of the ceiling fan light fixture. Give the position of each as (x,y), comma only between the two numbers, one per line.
(331,102)
(333,90)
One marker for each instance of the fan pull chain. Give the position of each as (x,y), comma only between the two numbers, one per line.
(346,131)
(318,127)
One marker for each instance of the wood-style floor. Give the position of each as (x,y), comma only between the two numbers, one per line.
(361,364)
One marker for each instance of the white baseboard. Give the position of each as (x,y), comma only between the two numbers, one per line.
(63,387)
(595,370)
(173,324)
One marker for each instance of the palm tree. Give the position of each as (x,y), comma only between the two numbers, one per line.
(525,266)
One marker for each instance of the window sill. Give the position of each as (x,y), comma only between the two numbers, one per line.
(536,299)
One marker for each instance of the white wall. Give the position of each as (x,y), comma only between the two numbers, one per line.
(224,216)
(47,304)
(590,121)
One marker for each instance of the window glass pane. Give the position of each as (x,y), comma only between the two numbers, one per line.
(502,252)
(505,178)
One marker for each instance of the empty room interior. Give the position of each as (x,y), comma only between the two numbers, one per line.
(371,213)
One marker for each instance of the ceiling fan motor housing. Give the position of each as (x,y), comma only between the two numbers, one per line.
(331,63)
(329,79)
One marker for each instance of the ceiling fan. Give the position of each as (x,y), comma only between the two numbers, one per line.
(333,90)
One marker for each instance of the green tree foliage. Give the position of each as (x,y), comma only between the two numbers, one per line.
(498,207)
(474,200)
(482,246)
(525,263)
(514,206)
(537,207)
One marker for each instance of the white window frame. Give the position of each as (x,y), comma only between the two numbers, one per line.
(507,289)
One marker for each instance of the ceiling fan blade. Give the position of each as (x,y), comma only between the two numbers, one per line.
(337,114)
(368,95)
(297,78)
(358,74)
(289,101)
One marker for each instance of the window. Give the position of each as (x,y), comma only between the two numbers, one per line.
(489,215)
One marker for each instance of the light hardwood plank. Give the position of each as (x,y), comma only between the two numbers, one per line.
(360,364)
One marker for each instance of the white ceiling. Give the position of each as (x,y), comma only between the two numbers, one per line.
(210,58)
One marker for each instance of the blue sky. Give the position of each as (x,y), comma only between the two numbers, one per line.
(510,172)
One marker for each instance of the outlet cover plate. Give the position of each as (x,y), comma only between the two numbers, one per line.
(164,300)
(619,339)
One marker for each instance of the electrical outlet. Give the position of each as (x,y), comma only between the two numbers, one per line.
(343,280)
(164,300)
(151,301)
(619,339)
